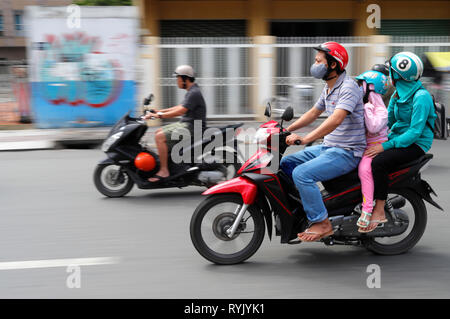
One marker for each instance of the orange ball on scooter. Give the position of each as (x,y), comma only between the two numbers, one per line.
(145,162)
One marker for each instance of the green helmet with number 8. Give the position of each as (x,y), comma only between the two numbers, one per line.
(406,65)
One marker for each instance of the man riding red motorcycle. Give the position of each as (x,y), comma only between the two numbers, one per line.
(343,132)
(228,227)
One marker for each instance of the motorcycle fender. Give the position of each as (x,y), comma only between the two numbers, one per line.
(114,158)
(262,205)
(107,161)
(240,185)
(424,190)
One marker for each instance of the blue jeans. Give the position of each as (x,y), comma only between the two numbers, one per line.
(315,164)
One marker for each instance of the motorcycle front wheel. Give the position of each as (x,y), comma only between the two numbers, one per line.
(112,181)
(213,217)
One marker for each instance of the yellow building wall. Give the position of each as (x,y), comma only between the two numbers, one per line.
(258,13)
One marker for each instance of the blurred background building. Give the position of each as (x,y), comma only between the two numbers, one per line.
(246,52)
(12,26)
(292,18)
(13,71)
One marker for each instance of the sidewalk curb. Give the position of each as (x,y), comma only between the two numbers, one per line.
(27,145)
(48,139)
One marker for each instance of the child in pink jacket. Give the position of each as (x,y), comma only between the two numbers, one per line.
(374,84)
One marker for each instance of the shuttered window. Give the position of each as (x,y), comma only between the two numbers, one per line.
(415,27)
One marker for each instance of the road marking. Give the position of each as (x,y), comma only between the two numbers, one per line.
(51,263)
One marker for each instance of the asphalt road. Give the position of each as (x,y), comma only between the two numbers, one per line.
(139,246)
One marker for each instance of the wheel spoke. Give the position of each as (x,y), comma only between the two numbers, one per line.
(217,220)
(113,179)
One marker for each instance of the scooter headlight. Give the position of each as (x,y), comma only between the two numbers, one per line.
(110,141)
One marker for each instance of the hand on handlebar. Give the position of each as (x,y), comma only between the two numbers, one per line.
(293,139)
(149,115)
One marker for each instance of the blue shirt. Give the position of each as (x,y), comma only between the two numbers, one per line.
(351,133)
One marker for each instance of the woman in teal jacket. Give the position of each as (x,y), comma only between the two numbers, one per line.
(411,119)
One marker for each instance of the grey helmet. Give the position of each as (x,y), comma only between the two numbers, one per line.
(184,70)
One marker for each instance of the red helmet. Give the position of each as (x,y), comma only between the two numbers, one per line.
(145,162)
(335,51)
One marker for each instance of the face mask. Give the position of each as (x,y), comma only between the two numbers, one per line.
(318,70)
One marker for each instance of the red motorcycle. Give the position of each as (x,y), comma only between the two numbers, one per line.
(228,226)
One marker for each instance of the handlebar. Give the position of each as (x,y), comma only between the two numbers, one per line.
(297,142)
(287,133)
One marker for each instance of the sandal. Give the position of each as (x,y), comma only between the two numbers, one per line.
(363,222)
(380,223)
(307,232)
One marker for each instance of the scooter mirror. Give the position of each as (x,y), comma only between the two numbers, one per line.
(268,111)
(288,114)
(148,99)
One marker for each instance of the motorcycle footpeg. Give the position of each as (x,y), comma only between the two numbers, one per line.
(329,241)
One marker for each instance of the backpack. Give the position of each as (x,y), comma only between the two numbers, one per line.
(440,125)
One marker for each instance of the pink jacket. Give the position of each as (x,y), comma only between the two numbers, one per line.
(376,118)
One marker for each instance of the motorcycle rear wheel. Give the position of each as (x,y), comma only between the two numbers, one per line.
(199,230)
(401,244)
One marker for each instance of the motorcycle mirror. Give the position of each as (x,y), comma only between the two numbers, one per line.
(288,114)
(268,111)
(148,99)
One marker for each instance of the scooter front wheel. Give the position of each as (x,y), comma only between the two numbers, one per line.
(112,181)
(209,225)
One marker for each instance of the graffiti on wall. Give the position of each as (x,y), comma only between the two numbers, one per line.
(74,71)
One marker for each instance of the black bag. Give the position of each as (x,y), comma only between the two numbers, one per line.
(440,124)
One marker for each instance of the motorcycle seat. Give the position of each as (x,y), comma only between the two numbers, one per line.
(420,161)
(352,178)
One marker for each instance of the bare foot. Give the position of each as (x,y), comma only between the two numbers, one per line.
(317,231)
(158,176)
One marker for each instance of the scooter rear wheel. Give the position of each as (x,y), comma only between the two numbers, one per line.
(111,181)
(208,228)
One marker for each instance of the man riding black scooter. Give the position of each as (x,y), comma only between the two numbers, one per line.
(199,156)
(193,108)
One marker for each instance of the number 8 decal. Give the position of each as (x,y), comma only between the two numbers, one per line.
(403,64)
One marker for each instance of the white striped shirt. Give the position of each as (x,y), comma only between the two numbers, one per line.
(351,133)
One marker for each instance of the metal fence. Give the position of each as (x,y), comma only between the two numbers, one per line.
(225,73)
(222,69)
(227,70)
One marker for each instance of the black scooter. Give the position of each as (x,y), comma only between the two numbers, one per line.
(116,175)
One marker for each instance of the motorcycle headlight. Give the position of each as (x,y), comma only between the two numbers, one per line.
(110,141)
(261,136)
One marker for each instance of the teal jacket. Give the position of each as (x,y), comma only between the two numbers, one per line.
(409,110)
